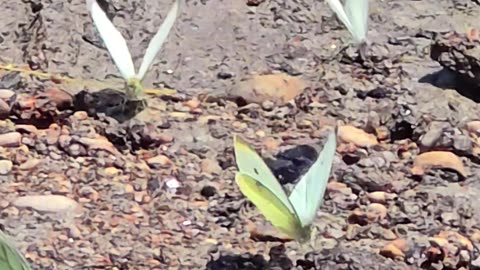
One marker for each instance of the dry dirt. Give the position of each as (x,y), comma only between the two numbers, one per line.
(156,190)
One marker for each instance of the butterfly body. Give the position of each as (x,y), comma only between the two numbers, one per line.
(118,49)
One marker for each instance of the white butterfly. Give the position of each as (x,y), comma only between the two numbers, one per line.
(118,49)
(354,15)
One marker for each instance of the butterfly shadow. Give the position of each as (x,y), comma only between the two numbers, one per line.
(446,79)
(292,163)
(278,261)
(112,103)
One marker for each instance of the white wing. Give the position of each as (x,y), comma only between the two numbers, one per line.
(307,195)
(113,39)
(157,41)
(357,12)
(337,7)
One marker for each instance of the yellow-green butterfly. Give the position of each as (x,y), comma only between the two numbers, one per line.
(10,257)
(292,214)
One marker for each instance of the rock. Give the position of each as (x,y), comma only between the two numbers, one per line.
(395,249)
(474,127)
(380,197)
(438,159)
(210,166)
(46,203)
(160,160)
(5,166)
(376,211)
(61,98)
(351,134)
(277,88)
(11,139)
(433,135)
(462,143)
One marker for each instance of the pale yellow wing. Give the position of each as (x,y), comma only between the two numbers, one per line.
(270,206)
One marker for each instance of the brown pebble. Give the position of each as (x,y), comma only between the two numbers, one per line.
(11,139)
(392,251)
(380,197)
(81,115)
(210,166)
(61,98)
(351,134)
(5,166)
(376,211)
(160,160)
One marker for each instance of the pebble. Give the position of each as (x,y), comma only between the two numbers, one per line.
(376,211)
(160,160)
(433,134)
(46,203)
(438,159)
(360,138)
(277,88)
(210,166)
(11,139)
(5,166)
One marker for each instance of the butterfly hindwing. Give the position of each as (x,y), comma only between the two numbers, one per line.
(269,205)
(157,41)
(307,195)
(10,257)
(251,164)
(113,39)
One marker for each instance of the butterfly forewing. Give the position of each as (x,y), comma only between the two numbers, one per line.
(113,39)
(251,164)
(157,41)
(307,195)
(338,9)
(270,206)
(357,12)
(10,257)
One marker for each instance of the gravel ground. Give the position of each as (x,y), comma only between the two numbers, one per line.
(90,181)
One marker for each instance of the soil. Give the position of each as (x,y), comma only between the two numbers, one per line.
(129,185)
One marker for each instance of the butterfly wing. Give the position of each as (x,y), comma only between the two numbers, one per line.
(251,164)
(307,195)
(10,257)
(357,11)
(113,39)
(338,9)
(157,41)
(271,207)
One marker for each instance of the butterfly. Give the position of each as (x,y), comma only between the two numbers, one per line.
(292,214)
(10,257)
(354,15)
(118,49)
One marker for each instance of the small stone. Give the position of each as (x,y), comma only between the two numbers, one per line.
(5,166)
(351,134)
(81,115)
(160,160)
(11,139)
(380,197)
(129,188)
(462,143)
(6,94)
(210,166)
(376,211)
(277,88)
(111,171)
(438,159)
(433,134)
(46,203)
(61,98)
